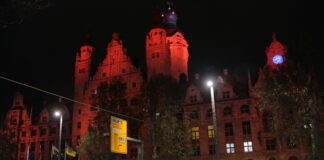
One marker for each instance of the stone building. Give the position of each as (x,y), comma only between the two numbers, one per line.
(242,129)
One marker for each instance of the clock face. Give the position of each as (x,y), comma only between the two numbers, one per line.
(277,59)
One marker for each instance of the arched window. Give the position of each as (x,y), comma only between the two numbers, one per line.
(267,119)
(245,109)
(293,158)
(227,111)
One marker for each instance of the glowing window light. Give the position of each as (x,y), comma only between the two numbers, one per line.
(277,59)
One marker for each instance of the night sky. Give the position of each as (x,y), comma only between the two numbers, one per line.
(222,34)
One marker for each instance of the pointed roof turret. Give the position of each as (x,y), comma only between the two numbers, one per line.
(18,100)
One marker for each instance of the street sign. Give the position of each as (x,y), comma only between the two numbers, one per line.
(118,130)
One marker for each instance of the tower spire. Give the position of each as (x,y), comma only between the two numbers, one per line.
(249,81)
(274,37)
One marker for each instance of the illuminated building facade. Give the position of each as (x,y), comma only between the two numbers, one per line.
(243,130)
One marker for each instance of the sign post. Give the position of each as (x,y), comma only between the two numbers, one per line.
(118,130)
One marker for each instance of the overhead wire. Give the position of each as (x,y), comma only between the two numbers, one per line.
(66,98)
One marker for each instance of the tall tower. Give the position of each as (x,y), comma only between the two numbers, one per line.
(275,52)
(82,68)
(166,47)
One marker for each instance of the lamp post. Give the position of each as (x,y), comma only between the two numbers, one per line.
(210,84)
(58,113)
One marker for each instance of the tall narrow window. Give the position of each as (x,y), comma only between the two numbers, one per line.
(246,126)
(79,124)
(229,129)
(290,143)
(209,113)
(271,144)
(211,149)
(267,118)
(210,131)
(42,146)
(196,150)
(230,148)
(22,147)
(195,133)
(32,146)
(248,146)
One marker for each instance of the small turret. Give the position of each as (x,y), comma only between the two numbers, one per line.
(18,100)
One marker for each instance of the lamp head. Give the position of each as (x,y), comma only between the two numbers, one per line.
(209,83)
(57,113)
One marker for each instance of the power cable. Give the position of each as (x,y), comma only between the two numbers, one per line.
(67,98)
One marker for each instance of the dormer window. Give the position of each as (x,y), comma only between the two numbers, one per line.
(226,94)
(44,119)
(193,99)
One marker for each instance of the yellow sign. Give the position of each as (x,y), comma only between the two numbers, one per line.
(69,151)
(118,132)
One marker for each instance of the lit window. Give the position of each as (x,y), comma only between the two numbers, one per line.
(246,126)
(230,148)
(229,129)
(210,131)
(195,133)
(248,146)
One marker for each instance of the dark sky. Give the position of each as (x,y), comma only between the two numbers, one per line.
(221,34)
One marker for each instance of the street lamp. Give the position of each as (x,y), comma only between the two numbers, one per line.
(210,84)
(58,113)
